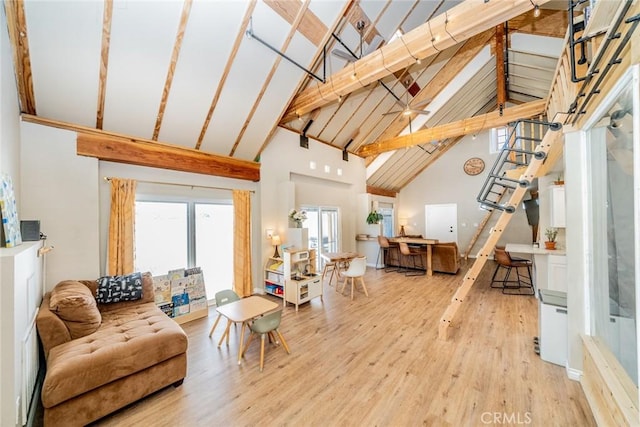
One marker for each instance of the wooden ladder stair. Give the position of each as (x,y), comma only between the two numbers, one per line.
(481,227)
(550,143)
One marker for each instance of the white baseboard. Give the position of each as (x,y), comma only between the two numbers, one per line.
(574,374)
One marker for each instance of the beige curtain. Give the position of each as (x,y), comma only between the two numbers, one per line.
(121,226)
(242,281)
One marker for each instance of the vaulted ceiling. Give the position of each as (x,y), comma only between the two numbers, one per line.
(220,76)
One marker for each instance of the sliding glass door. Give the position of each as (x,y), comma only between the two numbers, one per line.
(324,230)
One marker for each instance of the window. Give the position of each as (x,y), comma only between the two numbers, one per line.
(322,223)
(386,209)
(172,235)
(499,137)
(614,184)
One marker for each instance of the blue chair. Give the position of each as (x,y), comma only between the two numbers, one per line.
(223,297)
(267,324)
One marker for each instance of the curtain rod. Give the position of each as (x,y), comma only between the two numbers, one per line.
(108,179)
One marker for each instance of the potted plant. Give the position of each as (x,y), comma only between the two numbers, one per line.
(559,180)
(551,234)
(297,217)
(374,217)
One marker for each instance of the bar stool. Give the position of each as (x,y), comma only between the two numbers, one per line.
(523,280)
(389,250)
(408,253)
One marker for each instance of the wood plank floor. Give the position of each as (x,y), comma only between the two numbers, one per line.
(376,361)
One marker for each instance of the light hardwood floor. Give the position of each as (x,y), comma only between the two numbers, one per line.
(376,361)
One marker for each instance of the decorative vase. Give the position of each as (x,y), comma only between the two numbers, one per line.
(298,224)
(550,245)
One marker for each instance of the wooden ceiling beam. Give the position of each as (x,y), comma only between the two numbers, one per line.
(116,147)
(17,26)
(227,69)
(153,154)
(550,23)
(458,128)
(177,46)
(104,61)
(462,57)
(377,191)
(310,26)
(292,32)
(501,80)
(445,30)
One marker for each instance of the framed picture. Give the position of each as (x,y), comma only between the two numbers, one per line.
(10,224)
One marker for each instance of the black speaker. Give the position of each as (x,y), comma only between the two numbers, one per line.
(30,230)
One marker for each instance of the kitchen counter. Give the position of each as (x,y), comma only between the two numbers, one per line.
(550,266)
(530,249)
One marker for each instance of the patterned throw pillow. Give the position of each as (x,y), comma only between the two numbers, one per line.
(119,288)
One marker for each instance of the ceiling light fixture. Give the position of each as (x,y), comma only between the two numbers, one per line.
(536,9)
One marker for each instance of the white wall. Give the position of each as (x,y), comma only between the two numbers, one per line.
(578,255)
(445,182)
(60,189)
(287,181)
(9,112)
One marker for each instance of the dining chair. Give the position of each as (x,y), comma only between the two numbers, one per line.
(264,326)
(387,250)
(223,297)
(356,270)
(507,262)
(329,267)
(411,254)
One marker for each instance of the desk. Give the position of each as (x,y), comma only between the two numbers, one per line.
(421,242)
(244,310)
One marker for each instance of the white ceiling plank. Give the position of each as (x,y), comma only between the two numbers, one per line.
(64,43)
(246,78)
(209,36)
(284,82)
(326,10)
(392,17)
(142,39)
(542,45)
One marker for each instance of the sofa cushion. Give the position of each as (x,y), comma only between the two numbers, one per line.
(73,302)
(148,294)
(119,288)
(129,340)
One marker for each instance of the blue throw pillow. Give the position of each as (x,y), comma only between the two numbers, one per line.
(119,288)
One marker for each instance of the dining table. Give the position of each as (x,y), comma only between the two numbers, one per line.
(243,311)
(341,261)
(418,241)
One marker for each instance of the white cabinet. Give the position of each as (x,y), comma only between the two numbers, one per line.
(553,327)
(557,273)
(301,282)
(20,296)
(299,291)
(557,205)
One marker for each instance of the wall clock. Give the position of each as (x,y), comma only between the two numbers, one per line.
(473,166)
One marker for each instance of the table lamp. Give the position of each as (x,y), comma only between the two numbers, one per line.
(275,241)
(403,222)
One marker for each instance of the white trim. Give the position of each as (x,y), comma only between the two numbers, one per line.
(574,374)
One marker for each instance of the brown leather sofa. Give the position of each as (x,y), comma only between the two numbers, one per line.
(102,357)
(445,257)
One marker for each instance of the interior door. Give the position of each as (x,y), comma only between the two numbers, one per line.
(441,222)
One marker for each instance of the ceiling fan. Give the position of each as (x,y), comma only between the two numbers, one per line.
(350,56)
(407,109)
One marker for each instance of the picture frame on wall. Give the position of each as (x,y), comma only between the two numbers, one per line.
(9,213)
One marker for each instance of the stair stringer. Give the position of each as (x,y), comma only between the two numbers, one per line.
(551,139)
